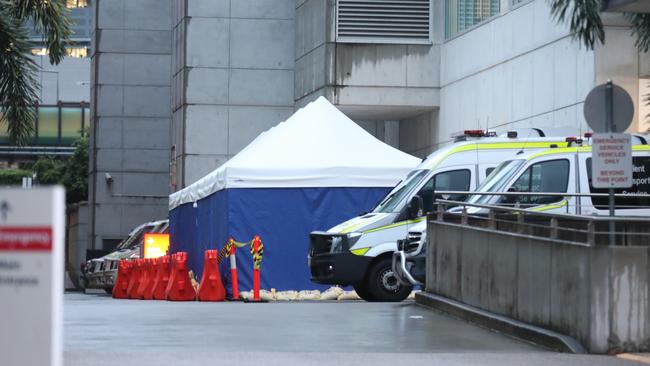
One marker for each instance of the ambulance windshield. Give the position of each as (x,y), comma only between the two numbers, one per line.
(401,191)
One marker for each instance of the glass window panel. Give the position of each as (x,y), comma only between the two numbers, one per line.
(48,125)
(464,14)
(4,134)
(70,124)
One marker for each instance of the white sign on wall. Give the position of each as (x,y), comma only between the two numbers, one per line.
(612,160)
(31,276)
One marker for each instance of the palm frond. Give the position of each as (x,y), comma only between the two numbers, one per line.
(18,85)
(641,29)
(583,17)
(50,19)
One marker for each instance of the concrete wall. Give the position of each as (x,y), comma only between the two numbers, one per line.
(76,240)
(380,83)
(233,77)
(596,294)
(519,69)
(130,111)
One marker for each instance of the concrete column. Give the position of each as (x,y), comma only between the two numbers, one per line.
(391,133)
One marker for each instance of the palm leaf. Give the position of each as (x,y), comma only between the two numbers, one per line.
(583,17)
(18,84)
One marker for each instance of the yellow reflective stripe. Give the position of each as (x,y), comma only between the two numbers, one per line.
(495,146)
(550,207)
(580,149)
(360,251)
(395,225)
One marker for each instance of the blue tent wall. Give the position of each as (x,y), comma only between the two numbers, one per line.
(283,217)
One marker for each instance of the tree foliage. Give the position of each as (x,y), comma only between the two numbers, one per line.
(18,85)
(71,172)
(586,23)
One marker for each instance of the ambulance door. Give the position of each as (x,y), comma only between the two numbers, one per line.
(552,174)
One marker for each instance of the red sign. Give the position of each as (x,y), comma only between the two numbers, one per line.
(25,238)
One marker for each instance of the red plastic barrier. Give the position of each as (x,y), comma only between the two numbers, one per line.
(147,294)
(145,278)
(211,287)
(162,278)
(180,287)
(136,277)
(122,280)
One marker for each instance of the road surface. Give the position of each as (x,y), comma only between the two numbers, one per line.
(102,331)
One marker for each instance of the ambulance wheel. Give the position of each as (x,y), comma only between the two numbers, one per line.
(362,290)
(383,285)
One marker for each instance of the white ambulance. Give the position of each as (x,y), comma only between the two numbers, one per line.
(567,170)
(556,170)
(359,252)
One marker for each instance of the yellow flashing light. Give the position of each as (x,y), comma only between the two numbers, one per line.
(155,245)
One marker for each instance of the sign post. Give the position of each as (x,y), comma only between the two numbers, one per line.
(31,276)
(609,110)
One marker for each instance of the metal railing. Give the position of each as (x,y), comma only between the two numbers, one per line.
(572,228)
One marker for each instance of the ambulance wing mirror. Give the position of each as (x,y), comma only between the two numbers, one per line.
(414,207)
(512,199)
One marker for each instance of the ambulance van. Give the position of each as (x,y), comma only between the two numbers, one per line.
(556,170)
(567,170)
(359,251)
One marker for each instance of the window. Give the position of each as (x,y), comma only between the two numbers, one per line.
(547,176)
(383,21)
(401,191)
(488,171)
(464,14)
(70,124)
(71,4)
(76,52)
(640,185)
(453,180)
(48,125)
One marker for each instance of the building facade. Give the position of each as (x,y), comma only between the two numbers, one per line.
(64,93)
(219,72)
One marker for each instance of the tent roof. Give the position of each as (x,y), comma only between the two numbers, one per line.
(318,146)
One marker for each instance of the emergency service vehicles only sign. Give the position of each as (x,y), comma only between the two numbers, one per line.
(31,276)
(612,160)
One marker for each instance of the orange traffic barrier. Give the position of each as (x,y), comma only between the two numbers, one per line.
(162,278)
(145,278)
(134,282)
(147,294)
(180,287)
(122,280)
(211,287)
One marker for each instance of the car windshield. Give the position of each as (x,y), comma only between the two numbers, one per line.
(133,240)
(496,181)
(401,191)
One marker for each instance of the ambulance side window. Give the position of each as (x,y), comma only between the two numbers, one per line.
(547,176)
(453,180)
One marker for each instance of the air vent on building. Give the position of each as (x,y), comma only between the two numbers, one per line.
(383,21)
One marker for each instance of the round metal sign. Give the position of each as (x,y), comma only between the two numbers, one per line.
(595,109)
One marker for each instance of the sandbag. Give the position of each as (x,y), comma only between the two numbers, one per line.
(286,295)
(349,295)
(331,293)
(308,295)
